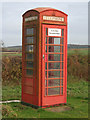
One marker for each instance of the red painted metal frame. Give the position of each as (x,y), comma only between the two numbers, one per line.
(37,81)
(53,99)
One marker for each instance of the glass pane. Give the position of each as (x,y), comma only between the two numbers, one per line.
(46,40)
(45,91)
(62,65)
(29,40)
(46,74)
(45,83)
(29,48)
(29,31)
(62,49)
(53,40)
(29,64)
(62,73)
(62,40)
(54,48)
(62,32)
(46,48)
(46,66)
(62,57)
(53,74)
(46,31)
(29,72)
(54,65)
(53,57)
(29,56)
(53,82)
(53,91)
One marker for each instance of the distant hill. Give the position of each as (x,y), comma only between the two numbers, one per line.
(13,49)
(74,46)
(19,48)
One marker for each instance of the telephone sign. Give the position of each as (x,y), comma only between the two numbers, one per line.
(54,32)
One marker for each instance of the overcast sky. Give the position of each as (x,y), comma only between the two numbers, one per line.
(12,20)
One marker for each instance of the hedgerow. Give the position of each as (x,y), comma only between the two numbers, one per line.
(11,69)
(77,65)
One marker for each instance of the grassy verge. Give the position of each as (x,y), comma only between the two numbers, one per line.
(77,99)
(79,109)
(11,92)
(77,87)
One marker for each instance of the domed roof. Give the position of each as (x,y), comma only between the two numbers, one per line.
(42,9)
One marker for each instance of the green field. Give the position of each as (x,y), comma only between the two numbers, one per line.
(77,94)
(70,51)
(81,51)
(11,54)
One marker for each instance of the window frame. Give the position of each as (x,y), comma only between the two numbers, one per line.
(61,53)
(32,52)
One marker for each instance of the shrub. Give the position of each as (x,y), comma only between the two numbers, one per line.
(11,69)
(78,65)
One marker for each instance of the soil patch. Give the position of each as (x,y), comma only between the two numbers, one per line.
(58,109)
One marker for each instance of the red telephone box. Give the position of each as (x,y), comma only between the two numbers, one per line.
(44,57)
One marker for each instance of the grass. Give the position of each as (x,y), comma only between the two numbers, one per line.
(79,109)
(11,92)
(81,51)
(77,87)
(77,99)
